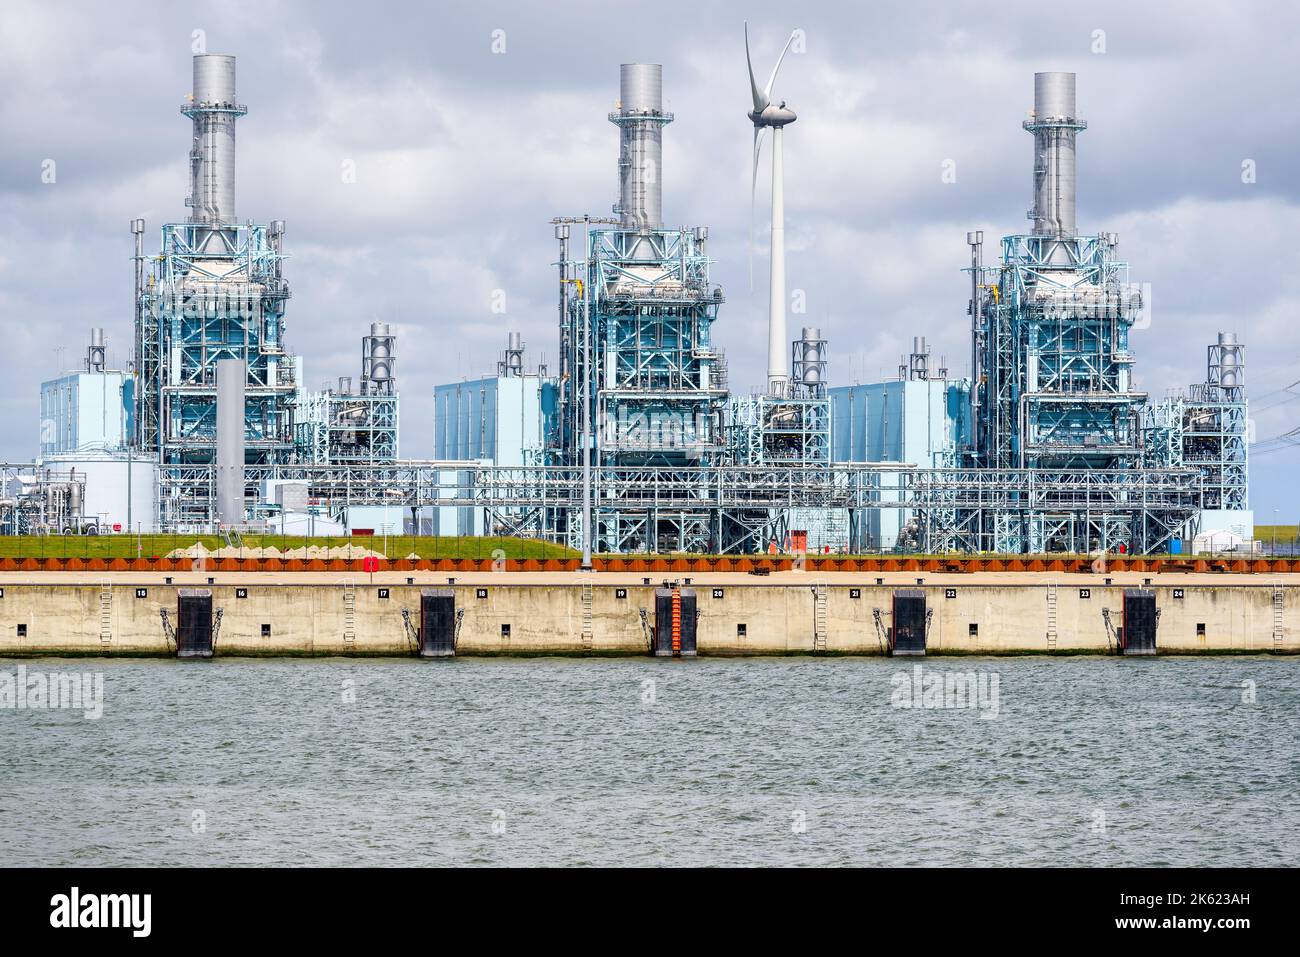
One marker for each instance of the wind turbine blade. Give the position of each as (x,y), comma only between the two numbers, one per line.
(767,93)
(759,102)
(753,190)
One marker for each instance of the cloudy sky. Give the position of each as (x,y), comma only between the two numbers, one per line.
(463,152)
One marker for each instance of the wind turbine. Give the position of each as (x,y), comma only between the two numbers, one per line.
(766,115)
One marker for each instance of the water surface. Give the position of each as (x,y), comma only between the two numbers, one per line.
(791,761)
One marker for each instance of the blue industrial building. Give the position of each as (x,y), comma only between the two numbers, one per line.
(913,420)
(90,410)
(503,419)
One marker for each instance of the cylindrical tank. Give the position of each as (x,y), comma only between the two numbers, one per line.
(1054,127)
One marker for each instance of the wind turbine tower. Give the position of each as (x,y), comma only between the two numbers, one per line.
(768,115)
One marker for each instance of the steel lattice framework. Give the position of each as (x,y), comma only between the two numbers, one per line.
(725,507)
(346,428)
(1057,385)
(215,292)
(1206,429)
(654,375)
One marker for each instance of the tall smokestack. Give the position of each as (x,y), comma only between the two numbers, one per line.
(640,119)
(214,110)
(1055,126)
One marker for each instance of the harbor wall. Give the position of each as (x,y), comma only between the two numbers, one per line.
(736,616)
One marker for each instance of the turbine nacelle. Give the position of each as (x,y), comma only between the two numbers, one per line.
(773,115)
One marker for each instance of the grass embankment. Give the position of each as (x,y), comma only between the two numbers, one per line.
(157,546)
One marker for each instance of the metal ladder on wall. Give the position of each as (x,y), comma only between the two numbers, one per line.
(1051,617)
(105,613)
(349,612)
(587,638)
(1279,604)
(819,618)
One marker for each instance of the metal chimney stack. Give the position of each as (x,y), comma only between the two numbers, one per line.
(1055,126)
(95,355)
(512,365)
(232,379)
(918,366)
(378,357)
(808,365)
(640,119)
(214,110)
(1227,364)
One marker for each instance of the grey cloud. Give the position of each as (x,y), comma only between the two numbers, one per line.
(463,156)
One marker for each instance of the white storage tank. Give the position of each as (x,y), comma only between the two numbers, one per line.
(121,493)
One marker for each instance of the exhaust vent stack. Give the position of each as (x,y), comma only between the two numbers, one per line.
(213,109)
(1055,126)
(640,119)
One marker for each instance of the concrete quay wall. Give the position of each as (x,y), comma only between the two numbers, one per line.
(525,614)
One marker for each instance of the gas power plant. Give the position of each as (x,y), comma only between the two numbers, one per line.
(634,439)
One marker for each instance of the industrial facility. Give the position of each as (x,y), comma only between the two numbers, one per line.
(634,440)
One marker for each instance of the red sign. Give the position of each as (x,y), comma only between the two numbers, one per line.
(117,526)
(370,564)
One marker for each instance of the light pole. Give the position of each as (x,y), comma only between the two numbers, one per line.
(590,378)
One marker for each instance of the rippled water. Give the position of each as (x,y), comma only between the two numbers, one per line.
(756,761)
